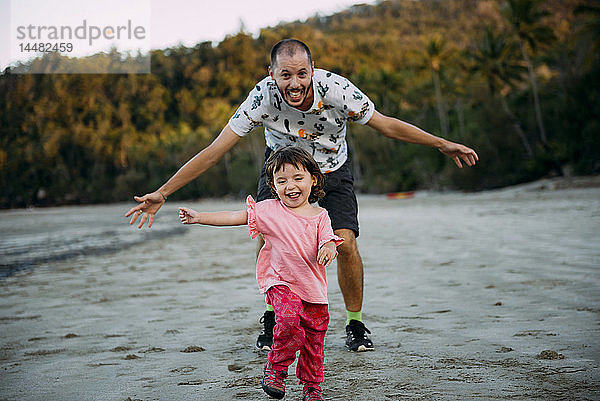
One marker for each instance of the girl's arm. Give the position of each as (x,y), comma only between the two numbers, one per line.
(235,218)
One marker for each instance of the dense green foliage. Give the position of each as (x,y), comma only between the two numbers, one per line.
(517,80)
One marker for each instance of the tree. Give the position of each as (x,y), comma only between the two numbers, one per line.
(588,33)
(436,55)
(525,17)
(494,59)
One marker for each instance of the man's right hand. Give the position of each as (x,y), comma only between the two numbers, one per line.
(147,208)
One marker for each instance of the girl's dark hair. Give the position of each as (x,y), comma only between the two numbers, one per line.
(300,158)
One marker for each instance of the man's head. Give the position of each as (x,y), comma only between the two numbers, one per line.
(292,69)
(289,47)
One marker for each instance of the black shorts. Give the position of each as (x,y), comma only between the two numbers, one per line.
(339,201)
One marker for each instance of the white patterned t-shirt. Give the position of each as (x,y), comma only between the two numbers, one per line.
(321,130)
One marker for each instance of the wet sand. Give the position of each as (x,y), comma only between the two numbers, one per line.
(488,296)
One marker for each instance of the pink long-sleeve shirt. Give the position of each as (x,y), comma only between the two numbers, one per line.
(292,242)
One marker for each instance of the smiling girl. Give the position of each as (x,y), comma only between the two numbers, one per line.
(290,270)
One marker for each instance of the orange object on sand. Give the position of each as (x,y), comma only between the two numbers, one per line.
(400,195)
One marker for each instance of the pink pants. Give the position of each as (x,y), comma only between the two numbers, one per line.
(299,326)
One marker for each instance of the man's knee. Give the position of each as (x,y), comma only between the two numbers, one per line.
(349,247)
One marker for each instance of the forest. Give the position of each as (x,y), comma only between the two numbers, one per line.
(517,80)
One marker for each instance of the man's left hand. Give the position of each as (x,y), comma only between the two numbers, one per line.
(456,151)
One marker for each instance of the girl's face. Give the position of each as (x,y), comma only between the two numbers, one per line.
(293,185)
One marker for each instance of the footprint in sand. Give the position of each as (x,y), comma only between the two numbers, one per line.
(193,348)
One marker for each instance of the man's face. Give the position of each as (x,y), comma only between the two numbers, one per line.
(293,75)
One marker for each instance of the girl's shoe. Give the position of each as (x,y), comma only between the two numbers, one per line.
(273,381)
(312,392)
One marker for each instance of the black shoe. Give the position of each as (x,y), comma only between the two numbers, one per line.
(357,338)
(265,338)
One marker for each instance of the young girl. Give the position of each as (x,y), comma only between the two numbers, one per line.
(299,245)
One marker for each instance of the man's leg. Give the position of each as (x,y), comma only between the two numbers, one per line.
(350,270)
(342,206)
(350,279)
(265,338)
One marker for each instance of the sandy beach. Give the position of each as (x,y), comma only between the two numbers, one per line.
(485,296)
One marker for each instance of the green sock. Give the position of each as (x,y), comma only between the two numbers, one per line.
(353,316)
(270,307)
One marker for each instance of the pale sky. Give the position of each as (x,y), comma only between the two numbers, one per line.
(163,23)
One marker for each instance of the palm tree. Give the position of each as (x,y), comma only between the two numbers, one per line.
(436,55)
(588,33)
(494,59)
(525,19)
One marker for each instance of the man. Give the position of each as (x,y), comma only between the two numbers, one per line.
(307,107)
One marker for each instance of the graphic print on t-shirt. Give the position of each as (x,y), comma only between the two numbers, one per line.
(321,130)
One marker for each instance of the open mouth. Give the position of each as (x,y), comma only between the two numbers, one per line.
(295,95)
(293,195)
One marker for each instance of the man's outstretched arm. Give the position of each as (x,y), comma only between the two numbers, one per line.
(149,204)
(402,131)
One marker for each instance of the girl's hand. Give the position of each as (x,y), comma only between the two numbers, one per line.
(326,254)
(188,216)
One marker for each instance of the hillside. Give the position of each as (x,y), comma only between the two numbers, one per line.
(455,68)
